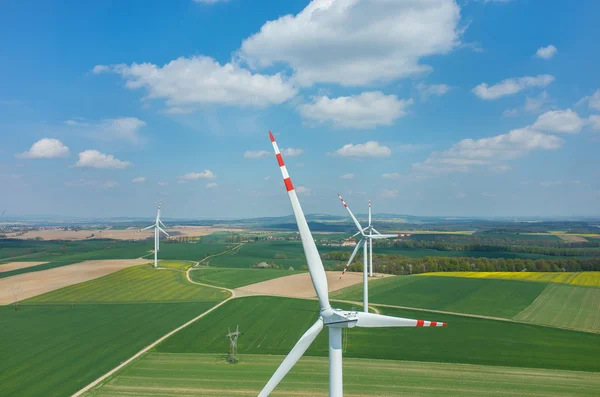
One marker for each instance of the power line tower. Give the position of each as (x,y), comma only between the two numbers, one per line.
(232,357)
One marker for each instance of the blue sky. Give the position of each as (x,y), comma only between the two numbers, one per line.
(437,107)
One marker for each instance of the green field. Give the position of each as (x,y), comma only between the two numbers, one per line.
(191,251)
(177,265)
(520,236)
(135,284)
(496,298)
(234,278)
(273,325)
(565,306)
(178,375)
(591,279)
(54,350)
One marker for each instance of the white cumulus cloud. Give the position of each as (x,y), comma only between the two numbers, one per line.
(255,154)
(47,148)
(593,100)
(546,52)
(95,159)
(192,176)
(366,110)
(511,86)
(389,193)
(139,179)
(427,90)
(211,185)
(303,190)
(356,42)
(122,128)
(347,176)
(200,80)
(291,152)
(565,121)
(391,175)
(362,150)
(594,121)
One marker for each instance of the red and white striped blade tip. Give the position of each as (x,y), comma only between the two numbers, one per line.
(423,323)
(271,136)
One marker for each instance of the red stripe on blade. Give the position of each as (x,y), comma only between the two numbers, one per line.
(444,324)
(280,160)
(433,324)
(271,136)
(288,184)
(420,323)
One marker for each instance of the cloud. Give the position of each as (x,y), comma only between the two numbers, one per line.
(432,89)
(95,159)
(363,150)
(364,111)
(510,112)
(291,152)
(303,190)
(256,154)
(192,176)
(178,110)
(100,69)
(200,80)
(93,183)
(561,121)
(594,121)
(162,183)
(469,153)
(532,105)
(500,168)
(392,175)
(511,86)
(267,177)
(546,52)
(559,183)
(460,195)
(139,179)
(47,148)
(347,176)
(356,42)
(593,101)
(211,185)
(389,193)
(122,128)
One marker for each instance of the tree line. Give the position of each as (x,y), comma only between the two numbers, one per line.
(398,264)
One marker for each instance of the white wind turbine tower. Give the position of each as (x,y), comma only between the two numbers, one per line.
(157,230)
(368,234)
(334,319)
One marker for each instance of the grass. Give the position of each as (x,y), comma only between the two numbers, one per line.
(135,284)
(591,279)
(177,265)
(191,251)
(162,374)
(273,325)
(234,278)
(565,306)
(496,298)
(54,350)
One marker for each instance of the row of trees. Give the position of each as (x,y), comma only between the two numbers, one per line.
(397,264)
(561,250)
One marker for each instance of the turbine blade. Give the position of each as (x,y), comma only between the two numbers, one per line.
(355,234)
(146,228)
(360,228)
(382,236)
(162,224)
(360,244)
(369,212)
(376,232)
(159,228)
(313,259)
(370,320)
(292,358)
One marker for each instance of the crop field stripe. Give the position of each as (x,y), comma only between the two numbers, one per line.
(179,375)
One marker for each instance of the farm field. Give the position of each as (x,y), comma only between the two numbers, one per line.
(234,278)
(174,264)
(54,350)
(565,306)
(136,284)
(163,374)
(496,298)
(273,325)
(190,251)
(575,278)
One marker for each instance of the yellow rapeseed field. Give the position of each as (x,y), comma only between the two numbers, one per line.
(573,278)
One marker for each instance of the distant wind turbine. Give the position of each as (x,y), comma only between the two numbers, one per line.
(157,230)
(368,234)
(334,319)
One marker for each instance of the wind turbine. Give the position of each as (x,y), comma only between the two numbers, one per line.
(368,234)
(157,230)
(334,319)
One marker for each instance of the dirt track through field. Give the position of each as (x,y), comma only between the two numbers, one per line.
(300,285)
(36,283)
(7,267)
